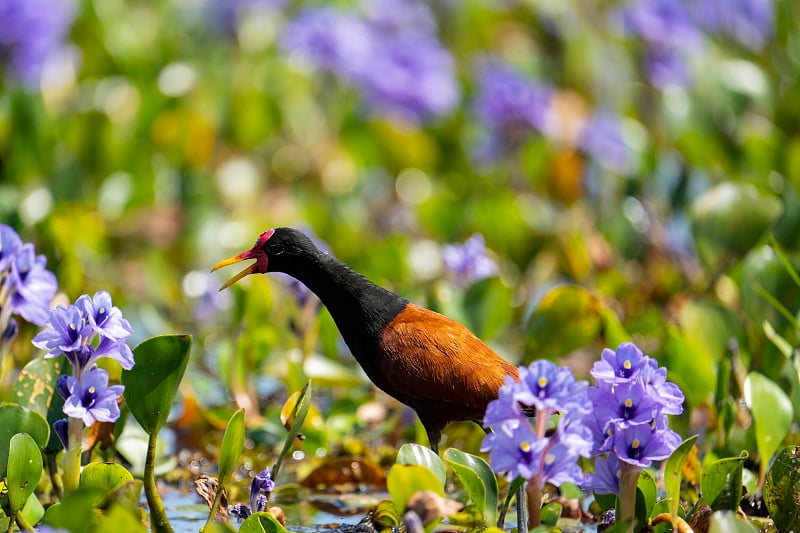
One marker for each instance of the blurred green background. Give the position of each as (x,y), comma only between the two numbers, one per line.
(625,162)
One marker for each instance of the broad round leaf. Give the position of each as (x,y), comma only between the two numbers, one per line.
(721,483)
(15,419)
(728,522)
(646,495)
(232,443)
(36,383)
(782,489)
(151,384)
(728,220)
(772,414)
(261,523)
(74,512)
(404,480)
(568,317)
(764,271)
(24,470)
(106,476)
(479,481)
(415,454)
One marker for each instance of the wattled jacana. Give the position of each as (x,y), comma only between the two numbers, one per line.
(427,361)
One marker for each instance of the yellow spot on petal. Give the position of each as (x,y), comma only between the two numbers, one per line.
(91,390)
(627,364)
(525,446)
(542,382)
(549,459)
(635,444)
(102,310)
(72,326)
(628,402)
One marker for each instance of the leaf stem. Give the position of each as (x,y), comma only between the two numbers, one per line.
(158,517)
(21,522)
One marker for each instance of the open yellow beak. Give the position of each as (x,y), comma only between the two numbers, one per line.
(236,259)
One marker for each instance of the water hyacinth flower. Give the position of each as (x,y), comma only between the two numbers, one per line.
(670,34)
(32,35)
(468,262)
(396,63)
(605,479)
(260,488)
(750,22)
(86,331)
(92,399)
(26,286)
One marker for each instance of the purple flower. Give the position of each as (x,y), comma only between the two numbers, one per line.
(10,243)
(621,365)
(61,428)
(331,39)
(468,262)
(92,399)
(560,465)
(105,319)
(65,333)
(601,139)
(548,387)
(668,395)
(510,104)
(514,448)
(751,22)
(262,483)
(32,34)
(87,331)
(606,476)
(34,286)
(670,35)
(641,444)
(396,62)
(626,404)
(506,406)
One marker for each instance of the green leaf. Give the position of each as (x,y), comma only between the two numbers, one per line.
(690,366)
(36,384)
(782,489)
(33,510)
(15,419)
(568,317)
(646,496)
(478,479)
(218,527)
(296,420)
(721,483)
(728,522)
(415,454)
(772,415)
(728,220)
(487,306)
(551,513)
(119,520)
(673,472)
(232,443)
(74,512)
(404,480)
(24,470)
(106,476)
(151,385)
(386,515)
(261,523)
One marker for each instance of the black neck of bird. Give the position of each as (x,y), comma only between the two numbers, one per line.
(360,308)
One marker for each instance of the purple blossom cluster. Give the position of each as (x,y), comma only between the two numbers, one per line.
(512,107)
(520,450)
(26,286)
(388,50)
(672,30)
(630,403)
(84,332)
(260,489)
(468,262)
(32,34)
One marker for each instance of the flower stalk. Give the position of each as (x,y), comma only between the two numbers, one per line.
(628,479)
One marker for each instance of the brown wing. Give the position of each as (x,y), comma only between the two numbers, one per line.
(428,356)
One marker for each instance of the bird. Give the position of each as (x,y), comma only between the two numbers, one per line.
(424,359)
